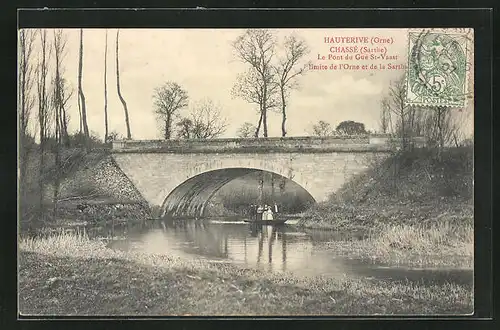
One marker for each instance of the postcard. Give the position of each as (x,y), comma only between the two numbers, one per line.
(233,172)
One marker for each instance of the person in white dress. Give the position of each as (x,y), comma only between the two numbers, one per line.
(270,214)
(265,213)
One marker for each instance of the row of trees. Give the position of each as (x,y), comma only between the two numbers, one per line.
(273,69)
(44,107)
(204,120)
(440,126)
(41,64)
(321,128)
(347,127)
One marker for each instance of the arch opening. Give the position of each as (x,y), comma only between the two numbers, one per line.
(191,198)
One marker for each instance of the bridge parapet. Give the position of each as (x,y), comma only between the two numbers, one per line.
(365,143)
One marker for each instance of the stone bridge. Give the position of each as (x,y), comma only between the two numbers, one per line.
(181,176)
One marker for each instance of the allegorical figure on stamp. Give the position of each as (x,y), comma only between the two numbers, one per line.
(437,69)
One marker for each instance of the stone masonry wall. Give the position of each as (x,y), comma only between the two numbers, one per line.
(103,180)
(156,175)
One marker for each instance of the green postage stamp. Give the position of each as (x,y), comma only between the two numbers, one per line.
(439,63)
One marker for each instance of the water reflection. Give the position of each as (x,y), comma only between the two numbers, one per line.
(280,248)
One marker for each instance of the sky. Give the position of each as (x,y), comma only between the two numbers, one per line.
(203,62)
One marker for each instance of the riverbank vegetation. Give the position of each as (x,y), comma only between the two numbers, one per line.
(413,187)
(70,274)
(437,246)
(416,206)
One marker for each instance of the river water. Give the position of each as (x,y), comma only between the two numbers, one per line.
(268,248)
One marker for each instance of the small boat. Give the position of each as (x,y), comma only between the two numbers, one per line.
(274,222)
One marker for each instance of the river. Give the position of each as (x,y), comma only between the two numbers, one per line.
(274,249)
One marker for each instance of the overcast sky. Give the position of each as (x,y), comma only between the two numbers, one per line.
(202,62)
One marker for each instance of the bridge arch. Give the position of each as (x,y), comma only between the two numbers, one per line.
(319,165)
(190,198)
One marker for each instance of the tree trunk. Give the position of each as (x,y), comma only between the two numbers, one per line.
(283,112)
(58,112)
(23,90)
(264,121)
(167,127)
(127,122)
(80,110)
(42,118)
(64,123)
(403,132)
(257,130)
(40,181)
(440,132)
(264,109)
(272,187)
(80,92)
(261,187)
(57,163)
(106,132)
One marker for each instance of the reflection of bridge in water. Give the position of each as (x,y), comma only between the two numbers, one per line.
(272,249)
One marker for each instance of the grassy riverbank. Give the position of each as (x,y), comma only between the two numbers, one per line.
(417,207)
(437,246)
(73,275)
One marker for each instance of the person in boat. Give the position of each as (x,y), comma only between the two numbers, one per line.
(270,214)
(250,211)
(260,213)
(264,213)
(267,214)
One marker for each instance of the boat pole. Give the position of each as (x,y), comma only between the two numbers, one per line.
(261,187)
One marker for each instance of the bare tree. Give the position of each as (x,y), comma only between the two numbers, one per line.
(185,128)
(80,89)
(397,106)
(443,127)
(204,122)
(437,125)
(256,47)
(26,78)
(322,128)
(43,104)
(414,120)
(61,91)
(385,116)
(27,71)
(59,45)
(246,130)
(168,99)
(125,109)
(287,72)
(80,131)
(106,132)
(66,92)
(249,87)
